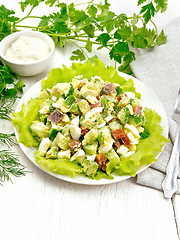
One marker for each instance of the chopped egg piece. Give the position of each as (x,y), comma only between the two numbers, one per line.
(140,129)
(130,109)
(92,99)
(122,150)
(106,147)
(101,125)
(64,154)
(130,94)
(132,139)
(132,147)
(128,154)
(93,111)
(75,121)
(108,118)
(91,157)
(78,154)
(124,101)
(64,110)
(44,109)
(133,129)
(75,132)
(44,145)
(56,105)
(65,118)
(54,98)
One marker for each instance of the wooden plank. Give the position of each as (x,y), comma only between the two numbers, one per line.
(39,206)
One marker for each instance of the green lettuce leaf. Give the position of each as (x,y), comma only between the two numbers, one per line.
(59,166)
(23,120)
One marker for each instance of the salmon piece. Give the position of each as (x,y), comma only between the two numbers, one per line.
(56,116)
(100,159)
(98,104)
(98,97)
(126,140)
(75,145)
(117,134)
(117,143)
(137,110)
(119,98)
(83,131)
(104,166)
(108,89)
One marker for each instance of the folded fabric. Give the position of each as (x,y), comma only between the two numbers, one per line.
(159,68)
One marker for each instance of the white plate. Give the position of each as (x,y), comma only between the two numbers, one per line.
(148,99)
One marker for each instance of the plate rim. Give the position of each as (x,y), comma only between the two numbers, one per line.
(77,179)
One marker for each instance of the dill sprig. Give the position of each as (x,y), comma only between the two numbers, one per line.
(7,139)
(9,164)
(6,107)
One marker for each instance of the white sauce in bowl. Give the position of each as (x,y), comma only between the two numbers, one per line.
(27,49)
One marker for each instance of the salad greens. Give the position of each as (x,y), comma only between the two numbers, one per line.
(74,130)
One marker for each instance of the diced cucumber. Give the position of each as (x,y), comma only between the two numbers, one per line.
(69,100)
(104,135)
(52,153)
(91,149)
(91,136)
(44,94)
(105,105)
(66,130)
(135,120)
(83,106)
(88,92)
(90,167)
(123,115)
(75,109)
(114,125)
(112,155)
(135,102)
(59,89)
(114,160)
(62,141)
(39,129)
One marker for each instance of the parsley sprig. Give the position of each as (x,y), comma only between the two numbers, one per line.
(96,25)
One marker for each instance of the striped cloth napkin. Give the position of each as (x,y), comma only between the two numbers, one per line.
(159,68)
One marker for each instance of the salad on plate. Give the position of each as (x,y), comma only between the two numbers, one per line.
(89,120)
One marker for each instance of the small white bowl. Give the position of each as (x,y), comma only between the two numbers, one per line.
(27,68)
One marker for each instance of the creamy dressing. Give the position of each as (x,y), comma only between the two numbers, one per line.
(27,49)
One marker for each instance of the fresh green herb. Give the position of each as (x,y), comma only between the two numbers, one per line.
(119,90)
(9,78)
(116,32)
(53,133)
(71,90)
(9,164)
(51,108)
(9,87)
(7,139)
(6,107)
(145,133)
(101,138)
(45,120)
